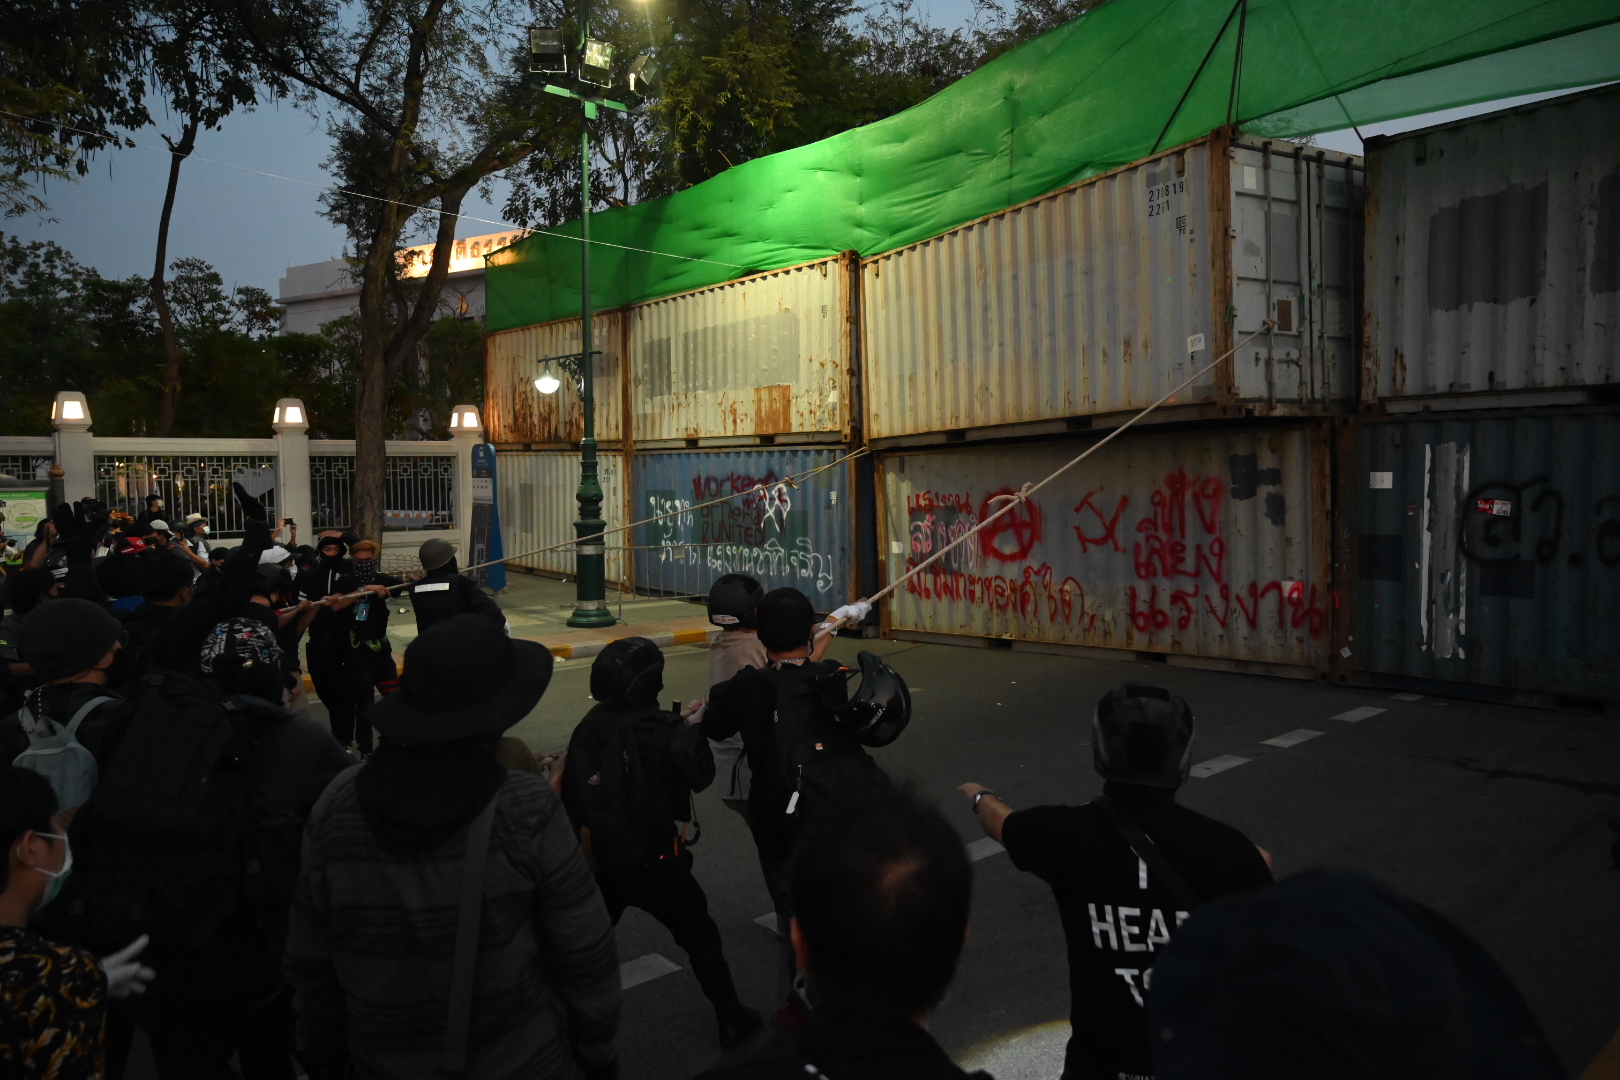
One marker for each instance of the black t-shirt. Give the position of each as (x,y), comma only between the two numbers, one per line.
(1116,915)
(371,613)
(329,632)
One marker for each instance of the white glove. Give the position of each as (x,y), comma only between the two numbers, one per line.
(125,975)
(855,612)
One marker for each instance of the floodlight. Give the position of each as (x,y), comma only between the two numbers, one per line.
(596,65)
(644,72)
(547,383)
(547,53)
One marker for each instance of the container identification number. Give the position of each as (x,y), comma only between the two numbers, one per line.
(1159,196)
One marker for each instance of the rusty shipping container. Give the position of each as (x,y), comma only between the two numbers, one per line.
(766,355)
(783,534)
(1489,553)
(1209,544)
(518,415)
(1103,296)
(538,508)
(1493,259)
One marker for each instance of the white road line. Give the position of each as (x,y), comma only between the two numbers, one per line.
(1219,764)
(1292,738)
(645,969)
(983,849)
(1355,716)
(1406,697)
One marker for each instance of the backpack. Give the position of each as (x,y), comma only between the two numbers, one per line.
(608,790)
(165,841)
(54,751)
(810,750)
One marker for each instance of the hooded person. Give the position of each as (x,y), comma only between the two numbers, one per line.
(371,656)
(628,778)
(443,592)
(327,654)
(1126,869)
(434,877)
(71,646)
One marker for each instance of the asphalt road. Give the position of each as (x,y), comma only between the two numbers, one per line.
(1494,815)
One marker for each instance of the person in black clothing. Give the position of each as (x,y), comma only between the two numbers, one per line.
(70,646)
(881,893)
(328,651)
(1126,869)
(443,592)
(626,822)
(153,512)
(371,656)
(166,587)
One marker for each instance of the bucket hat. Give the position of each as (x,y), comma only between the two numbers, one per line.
(464,678)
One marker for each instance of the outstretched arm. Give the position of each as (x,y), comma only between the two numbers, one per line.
(992,812)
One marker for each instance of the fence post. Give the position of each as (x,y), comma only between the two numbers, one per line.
(291,425)
(466,432)
(75,446)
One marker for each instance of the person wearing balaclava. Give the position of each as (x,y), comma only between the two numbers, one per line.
(371,657)
(629,776)
(443,591)
(327,654)
(432,851)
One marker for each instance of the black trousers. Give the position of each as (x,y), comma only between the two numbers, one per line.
(329,669)
(670,894)
(370,672)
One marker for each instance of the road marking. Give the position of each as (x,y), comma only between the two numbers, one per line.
(1218,764)
(983,849)
(1292,738)
(768,921)
(1355,716)
(1406,697)
(645,969)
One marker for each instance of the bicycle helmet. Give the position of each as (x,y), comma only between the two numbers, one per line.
(733,599)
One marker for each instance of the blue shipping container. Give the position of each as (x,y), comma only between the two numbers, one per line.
(1490,552)
(781,533)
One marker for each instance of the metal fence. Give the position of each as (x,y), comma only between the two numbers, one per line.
(26,466)
(188,484)
(421,492)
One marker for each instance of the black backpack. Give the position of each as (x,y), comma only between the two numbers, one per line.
(164,845)
(811,752)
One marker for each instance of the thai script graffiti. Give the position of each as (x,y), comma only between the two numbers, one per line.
(1036,596)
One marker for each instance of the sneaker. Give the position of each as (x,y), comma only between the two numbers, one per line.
(738,1024)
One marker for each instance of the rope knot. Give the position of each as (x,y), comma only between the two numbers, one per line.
(1021,495)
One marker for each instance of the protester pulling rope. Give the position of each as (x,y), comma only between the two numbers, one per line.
(854,613)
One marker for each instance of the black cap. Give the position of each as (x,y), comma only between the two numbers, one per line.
(1142,734)
(61,638)
(1334,976)
(463,679)
(629,671)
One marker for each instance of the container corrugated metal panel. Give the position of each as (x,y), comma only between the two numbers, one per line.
(1493,253)
(1201,543)
(538,507)
(515,412)
(1490,552)
(765,355)
(1094,299)
(785,535)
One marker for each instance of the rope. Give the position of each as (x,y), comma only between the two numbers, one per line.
(1022,494)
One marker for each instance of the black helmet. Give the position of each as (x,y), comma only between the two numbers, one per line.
(273,579)
(733,600)
(629,671)
(880,708)
(1142,734)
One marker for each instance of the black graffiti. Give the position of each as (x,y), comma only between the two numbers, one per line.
(1539,509)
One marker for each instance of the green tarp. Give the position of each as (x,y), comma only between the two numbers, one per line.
(1099,92)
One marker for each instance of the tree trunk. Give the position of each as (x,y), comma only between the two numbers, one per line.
(178,152)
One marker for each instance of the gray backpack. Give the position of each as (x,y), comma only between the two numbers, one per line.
(56,754)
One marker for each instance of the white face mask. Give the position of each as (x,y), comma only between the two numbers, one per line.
(204,530)
(58,877)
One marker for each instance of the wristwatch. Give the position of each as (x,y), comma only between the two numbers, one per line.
(977,795)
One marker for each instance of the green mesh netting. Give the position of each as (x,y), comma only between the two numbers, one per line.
(1094,94)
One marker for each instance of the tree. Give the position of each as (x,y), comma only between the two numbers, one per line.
(431,99)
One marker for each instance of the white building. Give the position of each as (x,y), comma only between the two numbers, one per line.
(317,293)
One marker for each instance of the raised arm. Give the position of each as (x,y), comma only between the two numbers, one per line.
(991,811)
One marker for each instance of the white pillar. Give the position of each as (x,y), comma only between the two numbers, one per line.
(291,425)
(75,446)
(466,432)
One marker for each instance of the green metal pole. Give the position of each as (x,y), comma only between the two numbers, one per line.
(590,606)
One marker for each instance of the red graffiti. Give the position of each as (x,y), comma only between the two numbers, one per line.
(921,502)
(1157,557)
(1169,516)
(1297,607)
(1011,537)
(1109,524)
(1033,597)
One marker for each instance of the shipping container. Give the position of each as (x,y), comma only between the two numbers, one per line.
(1493,258)
(767,354)
(1103,296)
(797,534)
(538,508)
(1197,543)
(1489,552)
(518,415)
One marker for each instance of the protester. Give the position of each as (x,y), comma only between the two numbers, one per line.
(628,778)
(53,998)
(153,511)
(443,592)
(1331,975)
(371,656)
(881,894)
(733,604)
(328,652)
(70,646)
(194,543)
(1120,894)
(433,854)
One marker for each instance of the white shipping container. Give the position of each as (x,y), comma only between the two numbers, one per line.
(517,413)
(538,508)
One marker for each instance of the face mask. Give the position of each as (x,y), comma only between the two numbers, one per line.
(58,877)
(205,530)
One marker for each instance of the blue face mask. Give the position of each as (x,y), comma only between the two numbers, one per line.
(58,877)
